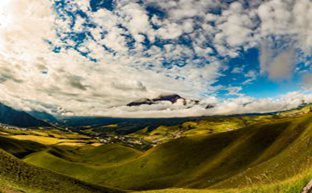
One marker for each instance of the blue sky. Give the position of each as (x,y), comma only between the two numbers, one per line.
(98,55)
(260,86)
(246,60)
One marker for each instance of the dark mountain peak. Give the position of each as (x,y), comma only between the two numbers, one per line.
(144,101)
(18,118)
(173,98)
(209,106)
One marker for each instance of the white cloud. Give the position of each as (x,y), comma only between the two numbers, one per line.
(136,19)
(278,66)
(237,70)
(307,81)
(240,105)
(34,77)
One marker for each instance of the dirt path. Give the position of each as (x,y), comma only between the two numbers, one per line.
(308,188)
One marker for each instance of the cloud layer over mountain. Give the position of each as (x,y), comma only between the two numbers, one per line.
(93,57)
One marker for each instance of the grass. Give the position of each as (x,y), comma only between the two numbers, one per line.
(293,185)
(85,163)
(39,139)
(104,155)
(205,126)
(211,125)
(20,148)
(49,136)
(18,176)
(248,154)
(257,155)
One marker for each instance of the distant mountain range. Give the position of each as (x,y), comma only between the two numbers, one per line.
(18,118)
(44,116)
(11,116)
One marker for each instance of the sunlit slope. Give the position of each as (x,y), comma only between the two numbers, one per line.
(263,153)
(289,155)
(17,176)
(85,163)
(48,136)
(106,155)
(19,148)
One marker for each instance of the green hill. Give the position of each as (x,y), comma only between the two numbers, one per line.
(17,176)
(85,163)
(264,156)
(20,148)
(108,154)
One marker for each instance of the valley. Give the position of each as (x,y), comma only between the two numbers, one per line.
(242,153)
(155,96)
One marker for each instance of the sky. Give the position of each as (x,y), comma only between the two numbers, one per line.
(92,57)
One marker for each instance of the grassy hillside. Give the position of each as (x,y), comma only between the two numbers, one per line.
(209,125)
(83,163)
(48,136)
(292,185)
(206,126)
(260,153)
(265,155)
(17,176)
(20,148)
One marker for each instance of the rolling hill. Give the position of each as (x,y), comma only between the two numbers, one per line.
(260,153)
(265,155)
(17,176)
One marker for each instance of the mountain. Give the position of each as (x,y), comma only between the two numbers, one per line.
(129,125)
(17,118)
(44,116)
(173,98)
(144,101)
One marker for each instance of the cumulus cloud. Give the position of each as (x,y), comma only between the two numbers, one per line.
(240,105)
(287,25)
(307,81)
(278,66)
(71,58)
